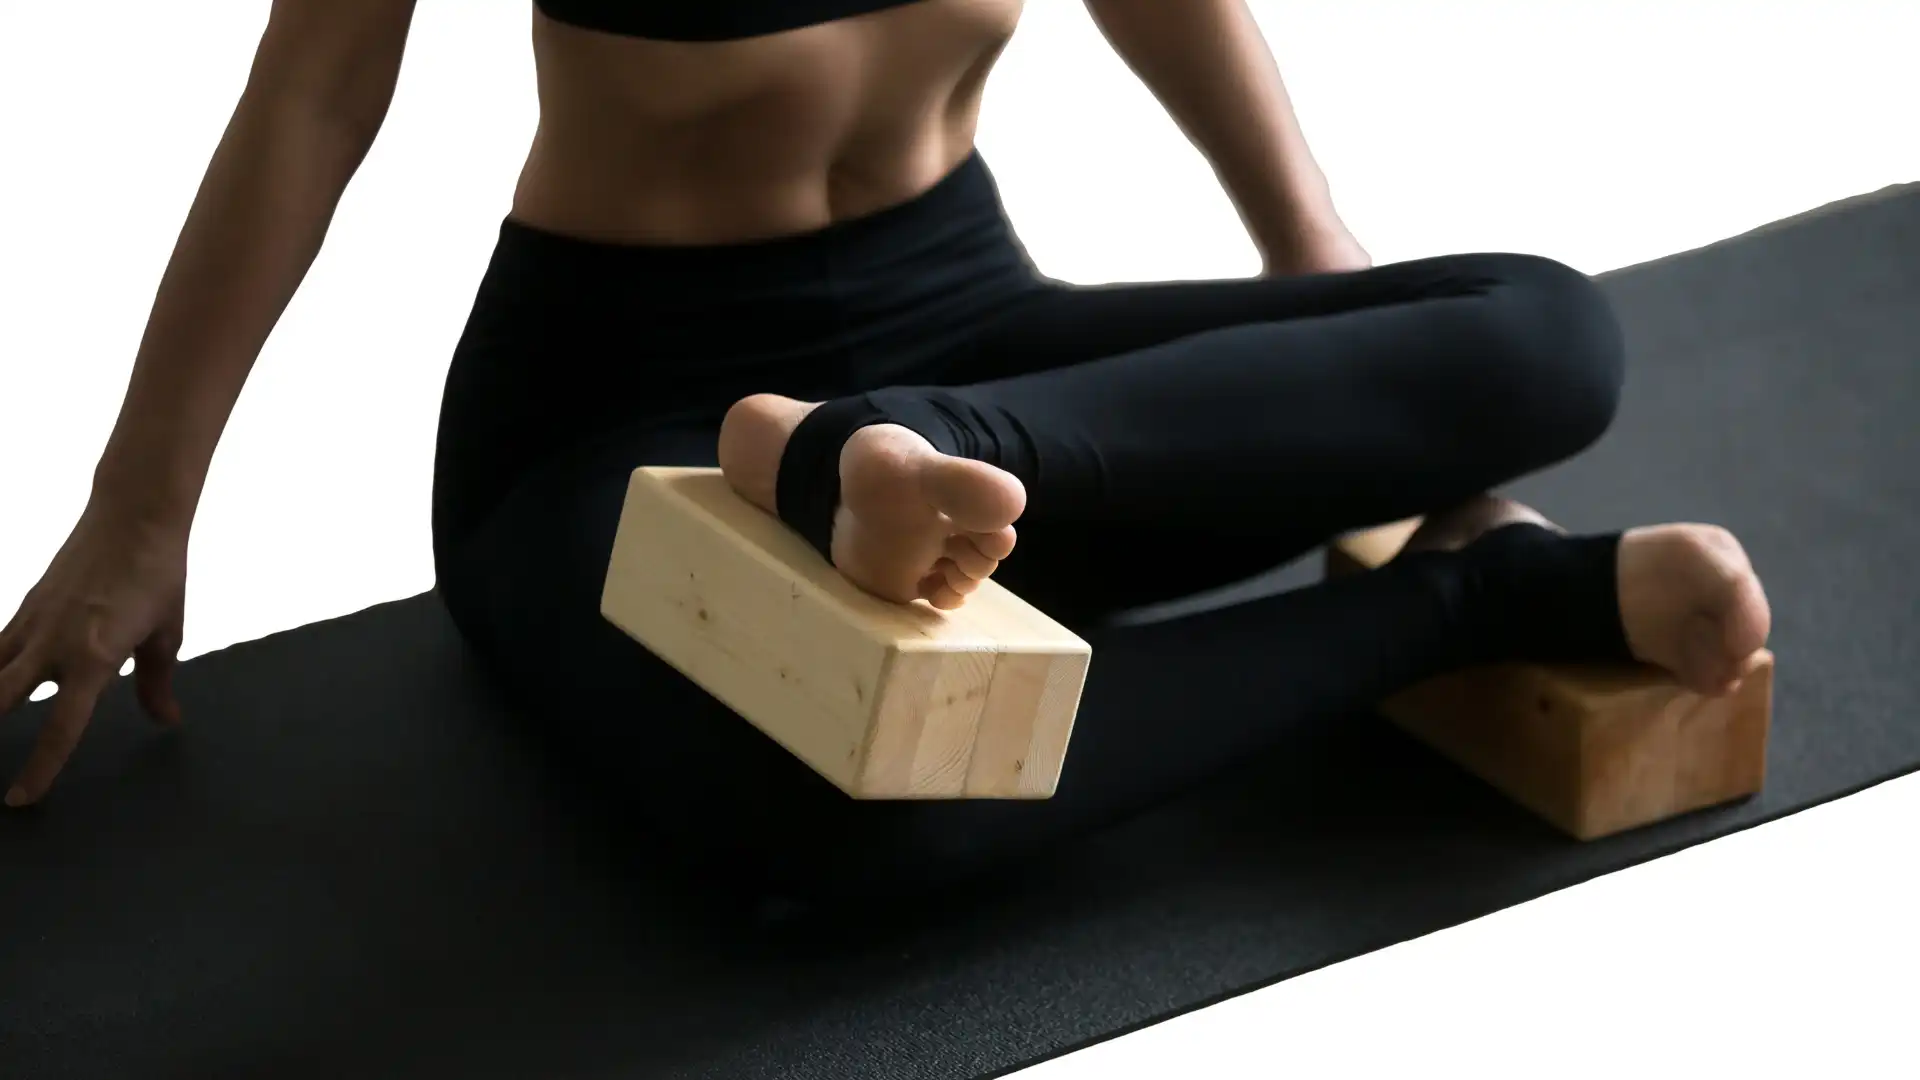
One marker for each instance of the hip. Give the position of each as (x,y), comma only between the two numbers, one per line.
(672,328)
(572,343)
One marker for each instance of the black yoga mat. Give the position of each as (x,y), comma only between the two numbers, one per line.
(351,867)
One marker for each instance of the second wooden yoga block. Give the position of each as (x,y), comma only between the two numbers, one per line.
(1594,750)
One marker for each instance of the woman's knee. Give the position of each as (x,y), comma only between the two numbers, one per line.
(1562,359)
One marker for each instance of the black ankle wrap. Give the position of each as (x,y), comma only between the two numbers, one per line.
(1548,597)
(806,490)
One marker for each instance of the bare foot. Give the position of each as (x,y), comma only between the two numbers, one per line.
(1692,604)
(1689,599)
(913,523)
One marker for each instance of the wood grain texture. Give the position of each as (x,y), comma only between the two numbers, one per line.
(1594,750)
(887,701)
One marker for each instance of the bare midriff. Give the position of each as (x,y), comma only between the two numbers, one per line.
(685,143)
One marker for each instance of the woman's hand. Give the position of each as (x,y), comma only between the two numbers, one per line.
(116,589)
(318,91)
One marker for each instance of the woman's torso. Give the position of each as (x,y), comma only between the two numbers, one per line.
(645,140)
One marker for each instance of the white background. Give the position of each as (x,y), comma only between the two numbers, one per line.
(1598,133)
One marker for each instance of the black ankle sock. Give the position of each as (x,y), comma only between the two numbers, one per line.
(1534,594)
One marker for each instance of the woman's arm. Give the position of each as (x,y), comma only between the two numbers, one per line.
(317,94)
(1209,66)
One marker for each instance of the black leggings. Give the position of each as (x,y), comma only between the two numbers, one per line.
(1174,438)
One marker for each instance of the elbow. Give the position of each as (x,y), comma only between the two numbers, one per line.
(1162,42)
(350,111)
(324,138)
(1105,10)
(335,72)
(1144,20)
(1121,21)
(357,112)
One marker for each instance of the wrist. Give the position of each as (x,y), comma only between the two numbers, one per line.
(143,497)
(1317,244)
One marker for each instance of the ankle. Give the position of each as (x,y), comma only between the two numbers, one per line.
(1537,595)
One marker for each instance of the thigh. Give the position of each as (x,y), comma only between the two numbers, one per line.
(1084,573)
(1058,324)
(1179,437)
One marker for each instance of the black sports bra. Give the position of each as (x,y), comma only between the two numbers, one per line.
(705,20)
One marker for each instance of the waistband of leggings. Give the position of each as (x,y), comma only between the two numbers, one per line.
(964,204)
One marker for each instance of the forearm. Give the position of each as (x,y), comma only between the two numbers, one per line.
(255,227)
(1210,68)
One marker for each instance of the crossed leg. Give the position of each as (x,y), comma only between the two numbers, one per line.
(1151,442)
(1335,402)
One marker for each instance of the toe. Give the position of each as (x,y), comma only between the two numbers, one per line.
(995,545)
(968,558)
(955,578)
(977,497)
(943,596)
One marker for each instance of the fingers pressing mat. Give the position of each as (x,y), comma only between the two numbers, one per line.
(351,864)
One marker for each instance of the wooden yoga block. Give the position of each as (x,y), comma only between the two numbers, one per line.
(888,701)
(1594,750)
